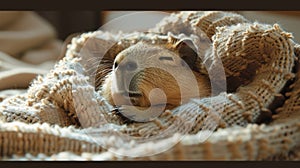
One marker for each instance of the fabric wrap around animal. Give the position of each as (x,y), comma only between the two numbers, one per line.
(198,86)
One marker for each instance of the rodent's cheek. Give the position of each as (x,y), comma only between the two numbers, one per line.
(119,99)
(111,95)
(106,90)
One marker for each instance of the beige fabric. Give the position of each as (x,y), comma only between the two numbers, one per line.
(28,46)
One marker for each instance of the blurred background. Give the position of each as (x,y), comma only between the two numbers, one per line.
(79,21)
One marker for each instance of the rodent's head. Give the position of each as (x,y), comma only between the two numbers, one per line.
(143,67)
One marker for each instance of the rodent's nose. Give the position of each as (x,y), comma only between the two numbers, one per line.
(130,66)
(127,66)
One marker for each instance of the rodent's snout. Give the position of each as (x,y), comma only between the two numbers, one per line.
(124,70)
(124,87)
(128,65)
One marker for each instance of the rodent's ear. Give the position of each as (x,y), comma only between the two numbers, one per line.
(188,52)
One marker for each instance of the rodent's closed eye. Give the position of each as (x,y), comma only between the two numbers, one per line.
(170,60)
(166,58)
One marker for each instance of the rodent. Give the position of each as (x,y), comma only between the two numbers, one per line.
(134,61)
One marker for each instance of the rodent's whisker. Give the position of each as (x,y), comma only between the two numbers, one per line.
(102,69)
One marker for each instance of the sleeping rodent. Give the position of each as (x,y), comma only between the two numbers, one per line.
(142,62)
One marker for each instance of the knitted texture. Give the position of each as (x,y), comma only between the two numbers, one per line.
(261,59)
